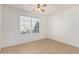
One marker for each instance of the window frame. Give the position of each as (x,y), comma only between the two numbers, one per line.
(38,19)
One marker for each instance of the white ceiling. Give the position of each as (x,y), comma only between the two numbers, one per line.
(49,9)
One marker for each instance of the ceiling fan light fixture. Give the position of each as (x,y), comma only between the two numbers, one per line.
(38,9)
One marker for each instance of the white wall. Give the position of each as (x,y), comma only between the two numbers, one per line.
(10,26)
(0,26)
(64,27)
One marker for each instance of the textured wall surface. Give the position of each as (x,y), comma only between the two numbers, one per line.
(64,27)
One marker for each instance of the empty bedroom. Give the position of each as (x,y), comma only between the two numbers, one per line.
(39,28)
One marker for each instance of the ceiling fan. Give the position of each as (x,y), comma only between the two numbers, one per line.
(39,7)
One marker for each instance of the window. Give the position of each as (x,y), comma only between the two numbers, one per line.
(29,24)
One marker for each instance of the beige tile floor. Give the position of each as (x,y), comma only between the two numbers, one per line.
(45,46)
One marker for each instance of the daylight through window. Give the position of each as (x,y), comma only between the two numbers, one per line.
(29,24)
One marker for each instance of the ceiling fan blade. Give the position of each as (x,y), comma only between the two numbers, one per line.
(42,10)
(44,5)
(38,5)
